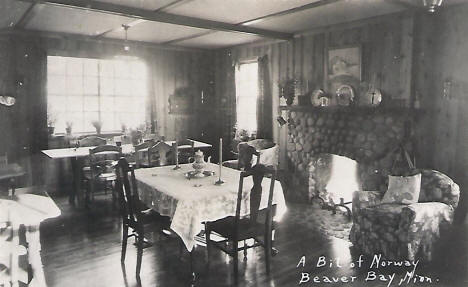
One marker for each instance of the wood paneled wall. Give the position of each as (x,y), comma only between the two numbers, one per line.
(24,128)
(387,48)
(442,85)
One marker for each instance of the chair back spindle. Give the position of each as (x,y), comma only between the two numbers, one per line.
(92,141)
(258,173)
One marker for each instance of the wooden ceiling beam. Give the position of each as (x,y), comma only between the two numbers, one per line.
(134,45)
(403,4)
(172,5)
(26,17)
(125,11)
(293,10)
(136,22)
(258,19)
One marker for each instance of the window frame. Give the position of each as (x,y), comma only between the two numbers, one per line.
(85,127)
(237,83)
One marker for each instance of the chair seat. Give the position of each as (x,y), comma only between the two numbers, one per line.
(153,217)
(225,227)
(107,176)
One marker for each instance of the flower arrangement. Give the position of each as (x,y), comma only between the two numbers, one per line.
(51,118)
(69,126)
(97,125)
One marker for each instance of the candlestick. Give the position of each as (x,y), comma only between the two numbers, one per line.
(176,151)
(220,181)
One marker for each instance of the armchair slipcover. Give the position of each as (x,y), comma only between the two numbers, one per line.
(399,231)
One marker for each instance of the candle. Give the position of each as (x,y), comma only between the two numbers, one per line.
(220,181)
(176,150)
(220,156)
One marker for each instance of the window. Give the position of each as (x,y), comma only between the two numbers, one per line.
(246,96)
(81,91)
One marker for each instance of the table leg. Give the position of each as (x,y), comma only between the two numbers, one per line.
(76,190)
(12,186)
(34,256)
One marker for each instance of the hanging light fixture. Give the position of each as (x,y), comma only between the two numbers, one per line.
(431,5)
(126,47)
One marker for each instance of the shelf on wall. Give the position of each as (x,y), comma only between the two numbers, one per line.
(351,109)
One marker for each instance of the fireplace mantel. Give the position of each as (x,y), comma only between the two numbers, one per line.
(357,110)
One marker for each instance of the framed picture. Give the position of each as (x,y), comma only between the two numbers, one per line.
(343,67)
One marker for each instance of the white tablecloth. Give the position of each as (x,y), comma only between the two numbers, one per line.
(84,151)
(191,202)
(28,210)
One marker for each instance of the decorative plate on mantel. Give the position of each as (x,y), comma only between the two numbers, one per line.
(315,97)
(344,95)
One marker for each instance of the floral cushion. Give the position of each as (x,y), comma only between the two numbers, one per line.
(403,189)
(436,186)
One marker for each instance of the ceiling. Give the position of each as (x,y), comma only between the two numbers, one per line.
(191,23)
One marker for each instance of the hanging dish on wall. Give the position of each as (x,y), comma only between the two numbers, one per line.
(315,97)
(372,98)
(324,101)
(344,95)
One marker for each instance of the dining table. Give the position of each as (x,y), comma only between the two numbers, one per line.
(78,154)
(28,207)
(190,202)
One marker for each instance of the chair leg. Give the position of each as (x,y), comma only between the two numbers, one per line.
(245,250)
(235,255)
(192,271)
(267,249)
(208,247)
(124,242)
(140,244)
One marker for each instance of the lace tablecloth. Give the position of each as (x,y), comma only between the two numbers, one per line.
(191,202)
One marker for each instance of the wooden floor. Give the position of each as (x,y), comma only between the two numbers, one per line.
(82,248)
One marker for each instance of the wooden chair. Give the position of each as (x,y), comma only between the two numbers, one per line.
(185,149)
(160,154)
(92,141)
(134,214)
(237,228)
(141,154)
(101,160)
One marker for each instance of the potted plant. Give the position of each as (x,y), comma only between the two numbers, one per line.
(68,128)
(97,125)
(51,120)
(287,89)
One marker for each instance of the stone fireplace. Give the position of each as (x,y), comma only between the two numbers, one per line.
(366,135)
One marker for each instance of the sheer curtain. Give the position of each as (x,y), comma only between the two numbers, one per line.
(264,100)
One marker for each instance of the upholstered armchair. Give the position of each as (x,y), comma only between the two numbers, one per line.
(404,231)
(261,151)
